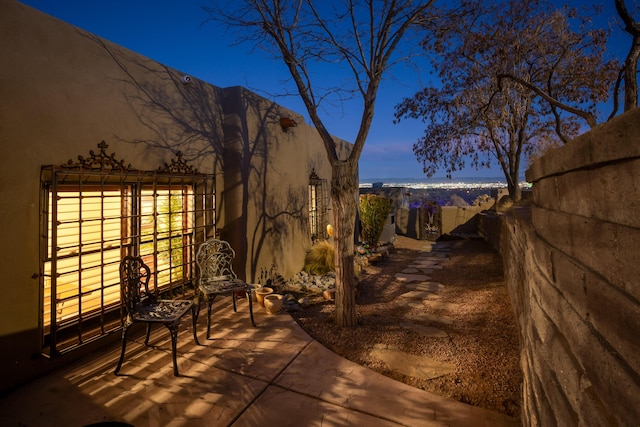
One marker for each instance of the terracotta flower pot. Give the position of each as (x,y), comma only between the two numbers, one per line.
(329,294)
(254,288)
(273,303)
(261,293)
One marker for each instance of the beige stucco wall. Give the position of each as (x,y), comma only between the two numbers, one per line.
(455,219)
(64,90)
(62,93)
(265,197)
(462,219)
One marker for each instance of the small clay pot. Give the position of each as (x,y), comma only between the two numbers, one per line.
(254,287)
(273,303)
(261,293)
(329,294)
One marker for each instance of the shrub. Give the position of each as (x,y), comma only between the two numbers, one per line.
(481,200)
(320,259)
(374,211)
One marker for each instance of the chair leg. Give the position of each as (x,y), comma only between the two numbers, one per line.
(199,299)
(125,329)
(173,330)
(146,340)
(248,292)
(209,303)
(233,297)
(194,319)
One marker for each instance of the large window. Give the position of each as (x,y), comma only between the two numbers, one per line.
(95,215)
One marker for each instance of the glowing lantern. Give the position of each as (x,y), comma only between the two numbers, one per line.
(330,230)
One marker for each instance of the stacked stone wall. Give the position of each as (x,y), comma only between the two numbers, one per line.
(572,265)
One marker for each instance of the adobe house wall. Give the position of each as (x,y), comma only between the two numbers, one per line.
(572,263)
(64,90)
(274,221)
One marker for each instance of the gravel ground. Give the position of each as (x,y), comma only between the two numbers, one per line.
(482,338)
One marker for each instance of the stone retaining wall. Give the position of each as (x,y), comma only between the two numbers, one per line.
(572,264)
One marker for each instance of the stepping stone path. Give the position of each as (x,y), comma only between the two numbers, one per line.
(404,277)
(420,293)
(430,318)
(409,364)
(425,286)
(422,264)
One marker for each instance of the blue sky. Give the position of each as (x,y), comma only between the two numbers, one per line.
(174,33)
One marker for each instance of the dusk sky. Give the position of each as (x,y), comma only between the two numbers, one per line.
(175,34)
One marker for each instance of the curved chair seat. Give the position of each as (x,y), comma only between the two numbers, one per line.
(223,286)
(161,311)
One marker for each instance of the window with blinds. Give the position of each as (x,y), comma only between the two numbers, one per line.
(92,217)
(318,207)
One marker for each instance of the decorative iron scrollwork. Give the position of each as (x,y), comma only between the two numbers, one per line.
(177,165)
(108,163)
(101,161)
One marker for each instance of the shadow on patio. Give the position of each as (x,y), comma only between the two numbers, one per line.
(274,374)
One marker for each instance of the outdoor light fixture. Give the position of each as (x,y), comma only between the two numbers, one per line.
(287,122)
(185,80)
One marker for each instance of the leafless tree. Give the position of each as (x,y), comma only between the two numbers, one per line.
(362,36)
(474,116)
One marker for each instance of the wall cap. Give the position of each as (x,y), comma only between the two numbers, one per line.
(606,143)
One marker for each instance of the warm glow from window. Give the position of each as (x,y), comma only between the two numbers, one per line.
(86,269)
(91,231)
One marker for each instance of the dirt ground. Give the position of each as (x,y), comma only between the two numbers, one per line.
(482,338)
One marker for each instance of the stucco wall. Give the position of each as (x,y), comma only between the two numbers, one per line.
(64,90)
(455,219)
(572,263)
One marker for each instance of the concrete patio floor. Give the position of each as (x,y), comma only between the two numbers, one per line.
(272,375)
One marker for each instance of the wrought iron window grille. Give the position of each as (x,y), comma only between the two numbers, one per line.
(99,209)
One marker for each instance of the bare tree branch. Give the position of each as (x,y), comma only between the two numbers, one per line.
(588,117)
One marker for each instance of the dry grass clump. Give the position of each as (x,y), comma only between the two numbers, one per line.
(320,259)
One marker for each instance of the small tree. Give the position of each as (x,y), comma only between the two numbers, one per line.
(374,211)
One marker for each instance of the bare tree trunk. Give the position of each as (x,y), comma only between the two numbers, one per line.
(631,62)
(630,71)
(343,191)
(513,185)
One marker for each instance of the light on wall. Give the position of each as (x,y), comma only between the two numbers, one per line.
(185,79)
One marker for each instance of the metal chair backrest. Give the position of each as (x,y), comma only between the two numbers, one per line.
(134,283)
(215,261)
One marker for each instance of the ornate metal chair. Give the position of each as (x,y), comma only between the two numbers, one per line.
(140,306)
(215,261)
